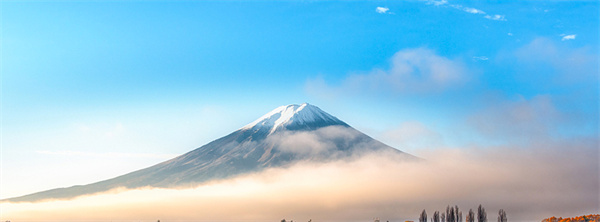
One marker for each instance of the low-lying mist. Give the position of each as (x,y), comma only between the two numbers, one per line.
(530,184)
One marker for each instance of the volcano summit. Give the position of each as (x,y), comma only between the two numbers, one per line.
(282,137)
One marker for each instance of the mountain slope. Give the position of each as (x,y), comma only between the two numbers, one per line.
(283,136)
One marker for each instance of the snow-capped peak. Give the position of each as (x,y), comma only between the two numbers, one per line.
(294,115)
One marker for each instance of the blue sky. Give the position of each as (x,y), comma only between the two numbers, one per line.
(92,90)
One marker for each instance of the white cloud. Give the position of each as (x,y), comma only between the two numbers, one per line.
(568,37)
(437,3)
(495,17)
(418,70)
(480,58)
(467,9)
(445,3)
(473,10)
(510,34)
(382,10)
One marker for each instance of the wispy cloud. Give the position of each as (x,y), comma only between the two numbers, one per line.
(473,10)
(480,58)
(568,37)
(495,17)
(436,3)
(382,10)
(466,9)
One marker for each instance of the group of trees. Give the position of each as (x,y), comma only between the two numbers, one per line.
(453,214)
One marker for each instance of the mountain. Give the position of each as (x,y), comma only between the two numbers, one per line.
(286,135)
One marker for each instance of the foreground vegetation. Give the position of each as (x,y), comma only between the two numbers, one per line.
(584,218)
(482,216)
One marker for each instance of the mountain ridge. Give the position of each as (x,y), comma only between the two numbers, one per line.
(286,135)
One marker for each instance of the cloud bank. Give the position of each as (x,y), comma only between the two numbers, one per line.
(530,184)
(418,70)
(320,141)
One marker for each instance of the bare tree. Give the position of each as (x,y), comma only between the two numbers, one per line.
(450,217)
(443,218)
(423,217)
(481,214)
(470,216)
(502,216)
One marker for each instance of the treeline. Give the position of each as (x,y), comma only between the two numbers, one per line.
(453,214)
(584,218)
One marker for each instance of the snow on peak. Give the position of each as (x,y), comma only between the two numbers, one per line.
(292,114)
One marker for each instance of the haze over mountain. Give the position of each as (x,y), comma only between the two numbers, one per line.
(286,135)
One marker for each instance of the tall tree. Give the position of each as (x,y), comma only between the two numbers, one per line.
(436,217)
(450,217)
(456,214)
(481,214)
(502,216)
(423,217)
(470,216)
(443,217)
